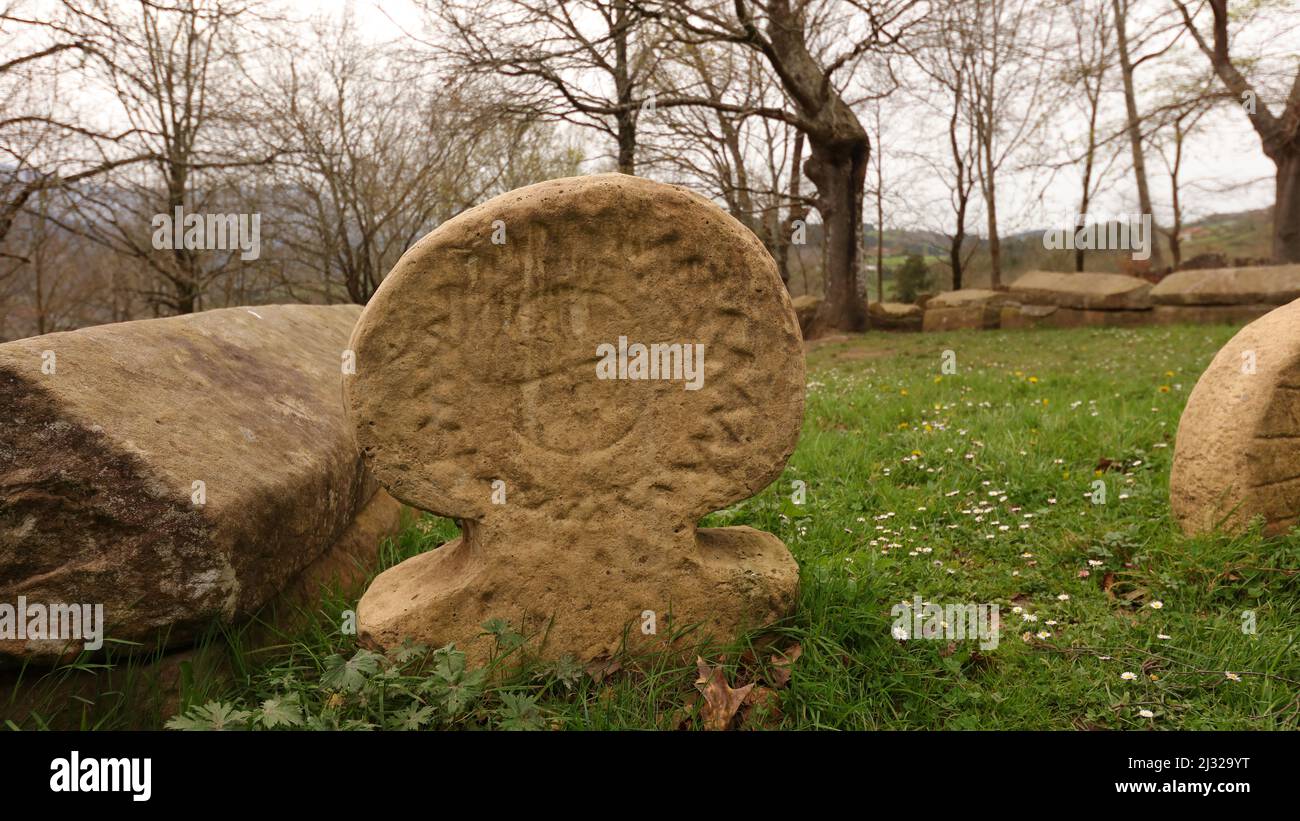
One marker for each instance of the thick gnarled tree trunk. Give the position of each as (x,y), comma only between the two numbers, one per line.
(1286,211)
(839,170)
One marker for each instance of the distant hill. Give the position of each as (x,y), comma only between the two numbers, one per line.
(1241,235)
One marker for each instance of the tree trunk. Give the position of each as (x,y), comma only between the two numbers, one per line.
(1176,202)
(796,212)
(995,241)
(839,170)
(626,117)
(1286,208)
(1135,128)
(1085,200)
(627,143)
(954,248)
(840,151)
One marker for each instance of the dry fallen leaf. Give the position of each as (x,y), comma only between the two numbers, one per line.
(762,709)
(602,668)
(782,664)
(720,701)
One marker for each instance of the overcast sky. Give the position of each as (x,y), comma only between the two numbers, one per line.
(1224,168)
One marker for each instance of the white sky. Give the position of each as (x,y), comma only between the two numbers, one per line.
(1224,168)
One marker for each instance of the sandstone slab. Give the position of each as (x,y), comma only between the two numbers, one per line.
(805,307)
(174,470)
(975,317)
(1208,314)
(501,381)
(1269,285)
(1052,316)
(1083,291)
(966,297)
(895,316)
(1237,454)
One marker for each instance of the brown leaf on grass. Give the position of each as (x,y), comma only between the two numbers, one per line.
(720,701)
(762,709)
(783,664)
(603,668)
(1108,581)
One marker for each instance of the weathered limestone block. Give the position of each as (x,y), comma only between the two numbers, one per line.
(1207,314)
(176,470)
(1085,291)
(1266,284)
(1052,316)
(894,316)
(964,318)
(1237,455)
(500,382)
(1027,316)
(805,307)
(966,297)
(966,309)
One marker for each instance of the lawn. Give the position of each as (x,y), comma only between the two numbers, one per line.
(973,486)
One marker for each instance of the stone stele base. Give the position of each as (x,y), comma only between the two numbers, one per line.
(718,581)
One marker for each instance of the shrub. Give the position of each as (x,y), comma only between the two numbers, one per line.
(913,278)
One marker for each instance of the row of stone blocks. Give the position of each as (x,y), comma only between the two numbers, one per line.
(1056,300)
(1045,299)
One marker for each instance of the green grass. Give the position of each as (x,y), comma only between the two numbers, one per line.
(968,487)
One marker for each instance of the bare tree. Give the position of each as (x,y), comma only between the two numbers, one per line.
(740,159)
(948,58)
(879,163)
(171,67)
(46,143)
(810,47)
(1179,120)
(797,215)
(1279,134)
(1128,46)
(374,153)
(1087,62)
(1007,75)
(586,62)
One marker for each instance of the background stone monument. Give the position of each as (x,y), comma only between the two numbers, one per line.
(1237,455)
